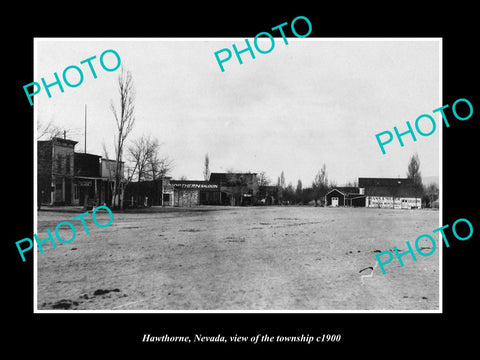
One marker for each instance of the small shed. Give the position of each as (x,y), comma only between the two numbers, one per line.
(335,198)
(345,196)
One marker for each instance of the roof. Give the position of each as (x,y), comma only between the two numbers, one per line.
(111,160)
(347,191)
(218,177)
(397,191)
(58,140)
(398,187)
(366,182)
(85,155)
(231,178)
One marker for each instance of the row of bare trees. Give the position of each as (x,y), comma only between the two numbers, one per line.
(289,195)
(321,185)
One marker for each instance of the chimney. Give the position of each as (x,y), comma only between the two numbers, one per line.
(64,134)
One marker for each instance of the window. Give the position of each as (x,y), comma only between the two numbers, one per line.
(59,163)
(76,195)
(67,164)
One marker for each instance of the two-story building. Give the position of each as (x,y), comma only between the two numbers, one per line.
(55,171)
(65,177)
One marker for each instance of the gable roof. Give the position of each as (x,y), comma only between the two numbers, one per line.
(397,187)
(218,177)
(348,189)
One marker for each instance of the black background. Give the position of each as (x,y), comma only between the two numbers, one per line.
(369,334)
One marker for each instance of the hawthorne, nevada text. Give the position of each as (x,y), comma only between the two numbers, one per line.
(417,121)
(419,250)
(50,237)
(255,42)
(71,83)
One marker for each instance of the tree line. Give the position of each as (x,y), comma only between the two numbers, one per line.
(146,162)
(321,185)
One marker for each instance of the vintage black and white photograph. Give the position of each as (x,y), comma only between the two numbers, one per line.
(191,175)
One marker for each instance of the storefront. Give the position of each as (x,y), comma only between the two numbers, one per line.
(188,193)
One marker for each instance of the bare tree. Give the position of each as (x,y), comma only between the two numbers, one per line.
(206,169)
(125,119)
(281,181)
(413,173)
(320,184)
(352,183)
(159,166)
(431,192)
(144,153)
(139,152)
(281,187)
(48,131)
(299,192)
(105,151)
(263,179)
(289,194)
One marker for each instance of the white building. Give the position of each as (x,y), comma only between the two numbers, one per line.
(394,193)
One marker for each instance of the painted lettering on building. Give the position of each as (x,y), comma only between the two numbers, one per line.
(196,186)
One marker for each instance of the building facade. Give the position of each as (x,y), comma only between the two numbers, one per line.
(345,196)
(87,184)
(189,193)
(143,193)
(65,177)
(55,171)
(237,188)
(393,193)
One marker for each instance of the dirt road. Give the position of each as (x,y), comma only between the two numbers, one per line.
(252,258)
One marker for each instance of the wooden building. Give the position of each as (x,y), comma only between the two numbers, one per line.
(189,193)
(65,177)
(345,196)
(237,188)
(143,193)
(55,171)
(268,195)
(395,193)
(87,181)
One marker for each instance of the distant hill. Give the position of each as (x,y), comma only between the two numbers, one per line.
(426,180)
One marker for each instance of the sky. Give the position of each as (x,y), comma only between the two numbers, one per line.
(310,102)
